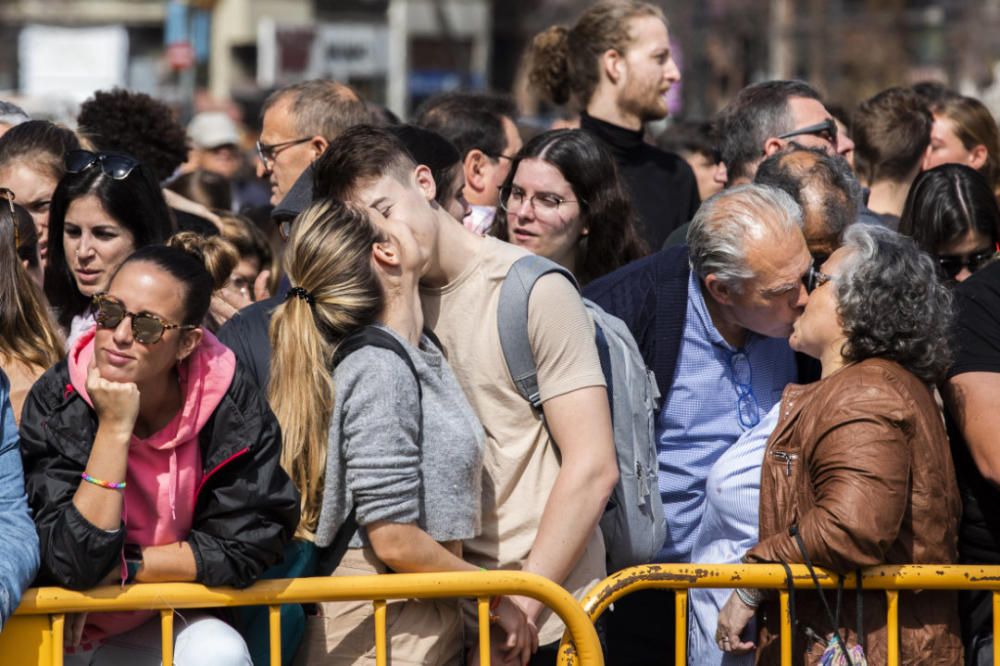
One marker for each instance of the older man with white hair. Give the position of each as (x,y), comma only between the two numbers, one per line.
(711,319)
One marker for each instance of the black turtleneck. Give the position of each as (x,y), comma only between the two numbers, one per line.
(664,191)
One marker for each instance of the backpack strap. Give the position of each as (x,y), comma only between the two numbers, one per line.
(369,336)
(512,321)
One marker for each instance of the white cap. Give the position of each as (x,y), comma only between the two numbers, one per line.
(211,129)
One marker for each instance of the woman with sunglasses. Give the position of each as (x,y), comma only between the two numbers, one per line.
(29,340)
(151,457)
(952,214)
(858,471)
(107,206)
(564,200)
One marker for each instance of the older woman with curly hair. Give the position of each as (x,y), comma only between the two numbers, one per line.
(858,471)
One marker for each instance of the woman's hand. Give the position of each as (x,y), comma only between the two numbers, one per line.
(116,403)
(522,634)
(73,629)
(733,619)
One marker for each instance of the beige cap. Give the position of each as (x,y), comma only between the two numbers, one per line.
(211,129)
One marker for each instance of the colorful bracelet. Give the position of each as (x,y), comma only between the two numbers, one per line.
(103,484)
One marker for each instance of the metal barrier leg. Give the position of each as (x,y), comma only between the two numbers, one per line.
(786,629)
(274,619)
(892,626)
(996,627)
(483,605)
(380,633)
(680,639)
(58,638)
(167,635)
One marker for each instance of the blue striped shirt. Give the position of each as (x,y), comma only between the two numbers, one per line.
(728,529)
(700,418)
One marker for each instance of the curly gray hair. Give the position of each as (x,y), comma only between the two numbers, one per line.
(724,224)
(892,304)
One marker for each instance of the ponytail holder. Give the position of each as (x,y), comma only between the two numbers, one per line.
(299,292)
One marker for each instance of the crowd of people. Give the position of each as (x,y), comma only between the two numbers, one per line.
(216,376)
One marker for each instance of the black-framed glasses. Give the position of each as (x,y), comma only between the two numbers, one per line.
(267,152)
(814,279)
(747,409)
(826,130)
(8,194)
(114,165)
(512,198)
(146,328)
(952,264)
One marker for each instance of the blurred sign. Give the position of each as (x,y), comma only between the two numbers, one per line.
(71,62)
(342,51)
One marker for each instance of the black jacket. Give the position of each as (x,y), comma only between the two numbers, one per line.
(246,508)
(246,334)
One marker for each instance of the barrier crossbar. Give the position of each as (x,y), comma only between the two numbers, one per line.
(682,577)
(46,638)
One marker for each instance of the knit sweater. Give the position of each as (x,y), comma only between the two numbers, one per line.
(394,456)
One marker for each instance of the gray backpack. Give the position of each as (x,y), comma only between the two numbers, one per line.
(633,524)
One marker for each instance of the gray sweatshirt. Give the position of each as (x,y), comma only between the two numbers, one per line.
(396,460)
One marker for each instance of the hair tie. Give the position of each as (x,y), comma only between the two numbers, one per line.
(299,292)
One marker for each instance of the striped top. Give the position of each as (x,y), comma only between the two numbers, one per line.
(728,529)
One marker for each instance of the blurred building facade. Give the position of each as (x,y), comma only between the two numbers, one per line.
(397,52)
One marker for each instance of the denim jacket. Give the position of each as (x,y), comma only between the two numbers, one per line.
(18,538)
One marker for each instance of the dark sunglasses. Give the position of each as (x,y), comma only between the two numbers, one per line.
(146,328)
(9,196)
(115,166)
(952,264)
(826,130)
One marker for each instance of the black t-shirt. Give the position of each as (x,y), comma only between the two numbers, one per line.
(662,185)
(978,350)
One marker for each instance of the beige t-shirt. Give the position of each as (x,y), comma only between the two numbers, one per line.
(521,462)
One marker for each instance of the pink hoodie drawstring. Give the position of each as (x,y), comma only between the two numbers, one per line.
(172,484)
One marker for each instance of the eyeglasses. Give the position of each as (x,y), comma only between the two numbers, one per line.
(268,152)
(952,264)
(146,328)
(501,156)
(814,279)
(747,409)
(544,205)
(9,196)
(826,130)
(117,167)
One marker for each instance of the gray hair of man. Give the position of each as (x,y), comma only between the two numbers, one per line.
(892,304)
(320,107)
(11,114)
(728,222)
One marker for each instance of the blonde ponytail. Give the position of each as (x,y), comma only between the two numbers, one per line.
(328,256)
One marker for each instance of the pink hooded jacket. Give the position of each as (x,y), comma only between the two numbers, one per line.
(164,470)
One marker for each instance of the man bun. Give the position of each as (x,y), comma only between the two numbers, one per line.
(548,70)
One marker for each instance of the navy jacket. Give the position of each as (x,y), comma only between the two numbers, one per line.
(650,296)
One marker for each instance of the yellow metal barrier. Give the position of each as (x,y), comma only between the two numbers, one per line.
(31,638)
(682,577)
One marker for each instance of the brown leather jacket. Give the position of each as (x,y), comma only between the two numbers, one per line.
(859,461)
